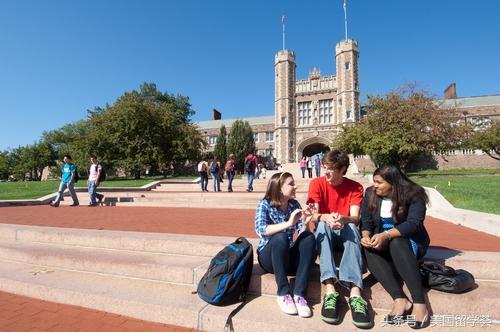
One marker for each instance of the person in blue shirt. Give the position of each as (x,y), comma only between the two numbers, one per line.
(68,171)
(394,239)
(277,218)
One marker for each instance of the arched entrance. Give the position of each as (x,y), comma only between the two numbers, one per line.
(312,146)
(315,148)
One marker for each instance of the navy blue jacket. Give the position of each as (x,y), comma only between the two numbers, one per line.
(410,224)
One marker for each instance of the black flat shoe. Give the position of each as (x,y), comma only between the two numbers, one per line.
(417,325)
(398,319)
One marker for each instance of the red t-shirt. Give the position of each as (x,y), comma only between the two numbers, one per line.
(335,199)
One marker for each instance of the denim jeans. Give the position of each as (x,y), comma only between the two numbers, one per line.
(216,179)
(60,192)
(250,177)
(230,178)
(277,257)
(203,180)
(92,188)
(318,170)
(351,264)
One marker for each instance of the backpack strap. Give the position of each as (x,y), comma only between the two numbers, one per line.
(229,322)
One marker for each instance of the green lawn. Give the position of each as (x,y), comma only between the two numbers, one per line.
(457,171)
(37,189)
(479,193)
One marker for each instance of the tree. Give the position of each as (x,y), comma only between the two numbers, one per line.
(240,141)
(488,140)
(220,150)
(30,160)
(145,128)
(4,165)
(400,126)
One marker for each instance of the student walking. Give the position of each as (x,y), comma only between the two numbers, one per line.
(69,173)
(230,172)
(93,182)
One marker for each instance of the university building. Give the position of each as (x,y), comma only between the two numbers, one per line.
(308,113)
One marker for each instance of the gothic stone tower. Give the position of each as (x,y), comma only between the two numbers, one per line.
(284,106)
(347,64)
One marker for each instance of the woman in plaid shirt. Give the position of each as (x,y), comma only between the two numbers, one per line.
(277,218)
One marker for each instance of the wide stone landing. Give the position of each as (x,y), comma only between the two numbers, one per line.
(151,276)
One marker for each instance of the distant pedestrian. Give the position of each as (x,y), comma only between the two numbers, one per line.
(69,174)
(203,171)
(309,167)
(215,172)
(230,171)
(303,165)
(93,182)
(317,164)
(250,166)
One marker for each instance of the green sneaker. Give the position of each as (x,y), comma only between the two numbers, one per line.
(359,312)
(329,312)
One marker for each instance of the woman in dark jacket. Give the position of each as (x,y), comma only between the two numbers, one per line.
(394,239)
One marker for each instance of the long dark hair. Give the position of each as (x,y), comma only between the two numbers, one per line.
(273,192)
(403,191)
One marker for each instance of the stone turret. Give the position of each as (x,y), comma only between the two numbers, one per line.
(347,66)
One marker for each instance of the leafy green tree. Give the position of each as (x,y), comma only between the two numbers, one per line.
(145,128)
(4,165)
(30,160)
(488,140)
(240,141)
(220,150)
(400,126)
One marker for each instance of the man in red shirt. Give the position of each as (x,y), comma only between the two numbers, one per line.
(337,201)
(250,164)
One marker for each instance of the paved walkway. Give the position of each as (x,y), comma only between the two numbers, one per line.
(20,314)
(216,222)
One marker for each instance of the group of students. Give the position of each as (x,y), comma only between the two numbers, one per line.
(214,168)
(250,167)
(307,163)
(69,175)
(387,225)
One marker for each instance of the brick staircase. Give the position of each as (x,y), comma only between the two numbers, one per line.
(151,276)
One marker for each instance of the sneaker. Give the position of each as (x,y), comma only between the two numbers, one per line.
(287,305)
(329,311)
(359,312)
(302,308)
(99,200)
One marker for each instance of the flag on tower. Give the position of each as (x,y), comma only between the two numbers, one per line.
(283,19)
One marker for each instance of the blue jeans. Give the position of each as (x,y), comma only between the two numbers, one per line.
(277,257)
(250,177)
(230,178)
(203,180)
(60,192)
(216,179)
(351,264)
(92,188)
(318,170)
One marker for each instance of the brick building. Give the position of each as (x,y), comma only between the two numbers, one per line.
(307,112)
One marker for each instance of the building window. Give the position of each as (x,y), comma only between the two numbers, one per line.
(348,115)
(325,111)
(256,137)
(270,152)
(283,120)
(212,139)
(304,113)
(269,136)
(347,66)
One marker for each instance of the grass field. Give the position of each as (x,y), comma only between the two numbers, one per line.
(478,193)
(37,189)
(457,171)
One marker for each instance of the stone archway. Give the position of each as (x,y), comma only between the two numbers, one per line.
(311,146)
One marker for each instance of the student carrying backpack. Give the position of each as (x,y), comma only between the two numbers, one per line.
(102,175)
(249,165)
(214,167)
(228,276)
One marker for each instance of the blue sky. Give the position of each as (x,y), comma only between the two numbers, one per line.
(60,58)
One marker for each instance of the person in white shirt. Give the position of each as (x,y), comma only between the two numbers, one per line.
(93,182)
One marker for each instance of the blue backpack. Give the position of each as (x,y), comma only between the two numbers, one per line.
(228,276)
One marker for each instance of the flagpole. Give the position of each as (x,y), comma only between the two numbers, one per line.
(283,24)
(345,18)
